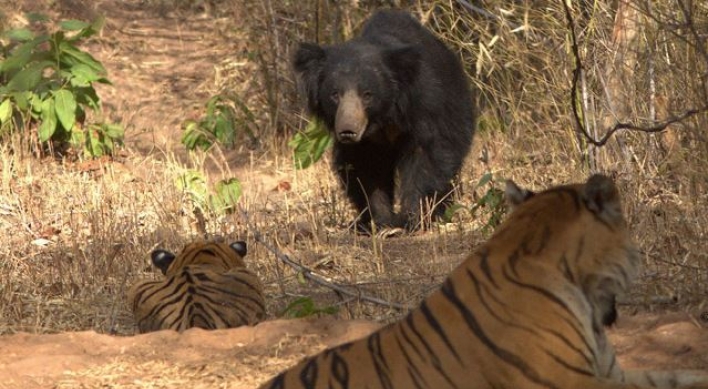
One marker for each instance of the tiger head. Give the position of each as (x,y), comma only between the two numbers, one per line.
(219,255)
(206,285)
(591,244)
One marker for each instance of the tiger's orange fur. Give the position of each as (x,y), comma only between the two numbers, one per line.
(525,311)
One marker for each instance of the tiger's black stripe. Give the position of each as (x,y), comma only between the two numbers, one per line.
(416,375)
(448,290)
(434,360)
(380,364)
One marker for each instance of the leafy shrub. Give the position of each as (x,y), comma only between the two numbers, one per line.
(491,203)
(46,87)
(220,199)
(305,307)
(219,124)
(309,146)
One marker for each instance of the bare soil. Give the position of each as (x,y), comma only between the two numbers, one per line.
(163,66)
(247,356)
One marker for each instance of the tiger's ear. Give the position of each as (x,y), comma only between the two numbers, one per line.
(162,259)
(516,195)
(239,247)
(602,198)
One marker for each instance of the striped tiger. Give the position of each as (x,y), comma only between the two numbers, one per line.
(206,285)
(524,311)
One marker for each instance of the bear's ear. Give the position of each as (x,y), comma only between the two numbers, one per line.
(404,62)
(308,62)
(308,58)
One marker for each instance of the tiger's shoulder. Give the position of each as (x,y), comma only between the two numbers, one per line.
(206,285)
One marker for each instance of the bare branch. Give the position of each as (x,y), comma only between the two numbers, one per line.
(477,10)
(310,275)
(577,72)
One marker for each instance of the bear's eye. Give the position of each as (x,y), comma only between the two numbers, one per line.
(366,96)
(335,97)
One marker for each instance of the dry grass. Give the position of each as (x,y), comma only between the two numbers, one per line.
(76,234)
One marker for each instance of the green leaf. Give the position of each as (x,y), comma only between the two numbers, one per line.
(83,75)
(301,307)
(97,25)
(113,131)
(65,105)
(49,120)
(95,146)
(451,211)
(22,99)
(211,105)
(73,25)
(34,17)
(28,78)
(77,139)
(89,29)
(224,131)
(36,102)
(228,193)
(5,111)
(310,145)
(487,177)
(194,137)
(19,57)
(86,96)
(20,34)
(70,55)
(193,182)
(190,137)
(108,145)
(305,306)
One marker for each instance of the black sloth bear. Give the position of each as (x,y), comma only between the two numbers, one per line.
(398,103)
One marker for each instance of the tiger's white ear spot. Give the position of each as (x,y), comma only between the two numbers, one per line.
(240,247)
(162,259)
(516,195)
(602,198)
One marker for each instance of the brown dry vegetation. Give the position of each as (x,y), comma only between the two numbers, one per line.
(75,234)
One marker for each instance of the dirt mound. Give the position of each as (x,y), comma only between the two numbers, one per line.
(245,357)
(237,358)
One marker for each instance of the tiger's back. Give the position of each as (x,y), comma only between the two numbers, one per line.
(526,310)
(206,285)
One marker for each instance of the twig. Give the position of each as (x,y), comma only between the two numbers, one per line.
(113,315)
(481,11)
(656,127)
(310,275)
(478,10)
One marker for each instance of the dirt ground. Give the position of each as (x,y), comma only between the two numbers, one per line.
(245,357)
(166,63)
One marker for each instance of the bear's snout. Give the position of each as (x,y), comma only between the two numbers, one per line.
(351,121)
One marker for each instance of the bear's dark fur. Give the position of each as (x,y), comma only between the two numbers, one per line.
(398,103)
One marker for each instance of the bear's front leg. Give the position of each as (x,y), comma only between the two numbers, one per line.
(367,174)
(425,188)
